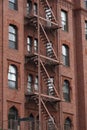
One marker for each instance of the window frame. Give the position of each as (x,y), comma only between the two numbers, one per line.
(30,83)
(35,8)
(29,43)
(65,55)
(64,21)
(29,6)
(66,87)
(13,36)
(13,74)
(85,4)
(36,84)
(13,5)
(12,118)
(86,30)
(35,45)
(67,124)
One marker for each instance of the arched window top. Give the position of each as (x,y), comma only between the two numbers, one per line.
(12,28)
(13,68)
(66,82)
(31,117)
(13,113)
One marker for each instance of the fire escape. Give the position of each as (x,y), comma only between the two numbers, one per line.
(45,59)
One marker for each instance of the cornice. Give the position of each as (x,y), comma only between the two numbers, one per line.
(66,3)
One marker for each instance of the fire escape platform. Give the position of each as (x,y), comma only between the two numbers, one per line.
(47,98)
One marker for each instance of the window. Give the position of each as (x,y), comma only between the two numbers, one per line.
(12,76)
(64,20)
(67,124)
(12,118)
(37,122)
(65,55)
(35,8)
(66,90)
(35,45)
(29,43)
(85,29)
(50,86)
(13,4)
(32,122)
(36,83)
(12,36)
(49,49)
(29,83)
(29,6)
(85,4)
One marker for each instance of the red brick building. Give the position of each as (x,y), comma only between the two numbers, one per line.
(43,64)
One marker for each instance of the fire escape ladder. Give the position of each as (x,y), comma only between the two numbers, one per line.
(48,10)
(46,40)
(46,77)
(52,123)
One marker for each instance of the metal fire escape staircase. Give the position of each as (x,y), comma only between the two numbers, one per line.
(50,58)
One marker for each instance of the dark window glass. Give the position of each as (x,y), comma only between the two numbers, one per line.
(85,4)
(85,29)
(64,20)
(12,36)
(13,4)
(12,76)
(29,83)
(65,55)
(66,90)
(35,8)
(12,118)
(29,43)
(67,124)
(29,6)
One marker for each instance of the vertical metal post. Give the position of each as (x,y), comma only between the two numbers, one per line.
(40,123)
(59,53)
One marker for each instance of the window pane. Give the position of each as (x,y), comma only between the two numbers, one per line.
(12,77)
(11,84)
(66,91)
(13,1)
(65,55)
(12,37)
(64,20)
(29,43)
(13,4)
(36,83)
(35,45)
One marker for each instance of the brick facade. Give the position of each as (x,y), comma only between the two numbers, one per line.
(75,73)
